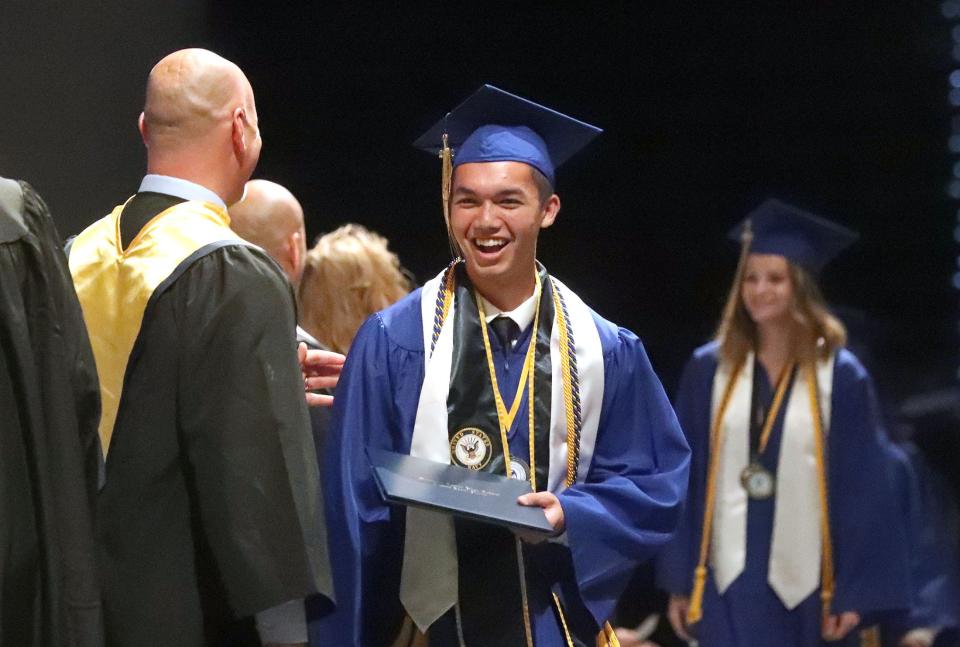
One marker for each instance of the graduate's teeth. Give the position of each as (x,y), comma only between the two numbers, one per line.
(490,242)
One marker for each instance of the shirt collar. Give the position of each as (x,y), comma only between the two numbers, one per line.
(179,188)
(522,315)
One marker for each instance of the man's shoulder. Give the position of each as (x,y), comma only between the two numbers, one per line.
(403,321)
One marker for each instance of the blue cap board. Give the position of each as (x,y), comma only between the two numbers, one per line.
(803,238)
(496,126)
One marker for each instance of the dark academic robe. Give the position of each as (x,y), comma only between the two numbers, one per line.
(211,458)
(624,512)
(50,404)
(870,560)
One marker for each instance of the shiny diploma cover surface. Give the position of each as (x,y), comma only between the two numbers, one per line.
(455,490)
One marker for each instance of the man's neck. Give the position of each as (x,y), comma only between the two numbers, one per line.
(508,295)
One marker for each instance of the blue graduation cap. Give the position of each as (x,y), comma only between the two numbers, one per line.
(495,126)
(803,238)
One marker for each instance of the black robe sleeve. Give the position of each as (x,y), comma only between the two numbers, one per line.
(49,400)
(246,432)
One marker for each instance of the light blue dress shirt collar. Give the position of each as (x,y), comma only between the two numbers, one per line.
(179,188)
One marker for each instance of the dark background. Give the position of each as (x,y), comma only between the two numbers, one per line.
(839,107)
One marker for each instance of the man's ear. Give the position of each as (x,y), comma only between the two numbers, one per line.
(239,133)
(550,210)
(142,127)
(295,250)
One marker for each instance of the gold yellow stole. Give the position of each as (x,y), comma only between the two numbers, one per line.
(115,284)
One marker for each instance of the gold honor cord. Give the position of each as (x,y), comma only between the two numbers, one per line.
(775,407)
(827,584)
(572,448)
(695,610)
(504,417)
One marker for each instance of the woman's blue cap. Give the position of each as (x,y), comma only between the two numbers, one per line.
(803,238)
(495,126)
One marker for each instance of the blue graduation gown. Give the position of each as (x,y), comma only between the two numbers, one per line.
(870,561)
(625,511)
(934,563)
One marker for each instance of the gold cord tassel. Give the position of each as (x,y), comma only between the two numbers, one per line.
(695,610)
(827,583)
(446,183)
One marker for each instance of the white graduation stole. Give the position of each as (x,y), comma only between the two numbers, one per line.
(428,582)
(796,544)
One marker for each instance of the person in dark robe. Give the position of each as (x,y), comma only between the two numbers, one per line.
(270,216)
(792,534)
(208,510)
(497,366)
(49,594)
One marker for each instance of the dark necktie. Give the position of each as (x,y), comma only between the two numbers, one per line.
(506,329)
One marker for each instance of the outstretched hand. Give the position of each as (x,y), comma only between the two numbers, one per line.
(551,508)
(321,370)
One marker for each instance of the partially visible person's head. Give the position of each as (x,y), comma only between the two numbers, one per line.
(350,274)
(783,249)
(770,290)
(270,217)
(199,122)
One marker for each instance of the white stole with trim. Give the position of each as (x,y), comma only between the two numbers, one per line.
(428,582)
(796,544)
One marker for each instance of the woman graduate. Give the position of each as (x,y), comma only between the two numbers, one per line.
(790,535)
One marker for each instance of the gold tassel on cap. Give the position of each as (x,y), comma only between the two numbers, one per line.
(446,184)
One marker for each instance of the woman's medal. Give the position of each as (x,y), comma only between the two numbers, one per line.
(757,480)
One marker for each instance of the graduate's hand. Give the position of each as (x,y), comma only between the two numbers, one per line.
(836,627)
(921,637)
(551,508)
(630,638)
(321,370)
(677,614)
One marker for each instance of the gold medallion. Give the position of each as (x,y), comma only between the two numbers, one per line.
(470,447)
(757,481)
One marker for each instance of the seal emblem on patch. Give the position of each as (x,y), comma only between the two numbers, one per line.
(470,447)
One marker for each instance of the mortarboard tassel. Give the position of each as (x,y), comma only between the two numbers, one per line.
(446,182)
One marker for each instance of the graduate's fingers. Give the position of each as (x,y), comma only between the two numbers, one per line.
(828,627)
(550,504)
(677,615)
(314,383)
(847,621)
(319,400)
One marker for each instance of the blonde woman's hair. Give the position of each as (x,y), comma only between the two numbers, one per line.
(349,275)
(817,332)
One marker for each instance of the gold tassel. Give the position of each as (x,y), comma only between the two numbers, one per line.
(446,184)
(695,610)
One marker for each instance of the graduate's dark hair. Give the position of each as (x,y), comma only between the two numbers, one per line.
(544,188)
(817,332)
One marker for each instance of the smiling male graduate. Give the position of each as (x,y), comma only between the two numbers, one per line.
(496,365)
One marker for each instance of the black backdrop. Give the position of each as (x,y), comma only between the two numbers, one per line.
(840,107)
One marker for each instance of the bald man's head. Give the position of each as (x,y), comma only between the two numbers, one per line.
(199,121)
(270,217)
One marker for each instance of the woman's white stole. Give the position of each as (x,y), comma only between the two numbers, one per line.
(796,545)
(428,581)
